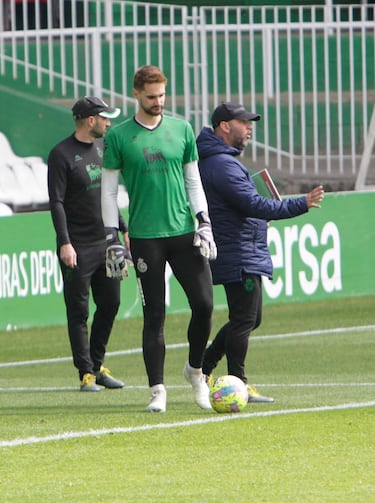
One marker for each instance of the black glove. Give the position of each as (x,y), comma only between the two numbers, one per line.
(203,238)
(117,256)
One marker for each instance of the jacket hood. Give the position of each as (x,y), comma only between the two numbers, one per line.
(209,144)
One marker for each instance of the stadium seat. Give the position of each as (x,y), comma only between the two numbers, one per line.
(9,157)
(23,180)
(5,210)
(30,184)
(11,192)
(40,171)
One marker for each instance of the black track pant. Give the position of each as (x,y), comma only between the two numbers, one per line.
(88,355)
(245,314)
(194,275)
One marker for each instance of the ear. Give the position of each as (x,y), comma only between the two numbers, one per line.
(91,120)
(225,127)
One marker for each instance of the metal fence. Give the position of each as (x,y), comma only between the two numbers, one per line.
(308,70)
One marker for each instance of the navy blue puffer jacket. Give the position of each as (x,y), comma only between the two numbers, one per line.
(238,213)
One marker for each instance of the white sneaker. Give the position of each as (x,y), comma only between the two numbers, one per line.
(158,402)
(199,384)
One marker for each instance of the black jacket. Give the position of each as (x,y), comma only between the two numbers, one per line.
(238,213)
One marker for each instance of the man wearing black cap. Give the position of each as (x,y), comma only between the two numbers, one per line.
(229,111)
(239,217)
(74,184)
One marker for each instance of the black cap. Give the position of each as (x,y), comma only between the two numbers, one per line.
(87,106)
(228,111)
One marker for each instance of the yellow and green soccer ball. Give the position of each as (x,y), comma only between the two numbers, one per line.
(228,394)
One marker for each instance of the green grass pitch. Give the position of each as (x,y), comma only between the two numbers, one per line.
(314,444)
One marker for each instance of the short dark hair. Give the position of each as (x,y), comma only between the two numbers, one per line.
(148,74)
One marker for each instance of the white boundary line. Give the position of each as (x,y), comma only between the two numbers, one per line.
(187,386)
(311,333)
(163,426)
(217,419)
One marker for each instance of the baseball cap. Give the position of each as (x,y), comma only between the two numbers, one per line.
(90,105)
(228,111)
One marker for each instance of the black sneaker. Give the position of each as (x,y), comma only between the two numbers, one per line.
(104,378)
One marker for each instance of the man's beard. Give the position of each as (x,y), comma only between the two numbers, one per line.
(152,112)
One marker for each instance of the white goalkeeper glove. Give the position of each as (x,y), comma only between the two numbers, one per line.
(203,237)
(117,257)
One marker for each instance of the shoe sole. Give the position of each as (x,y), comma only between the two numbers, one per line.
(109,383)
(110,386)
(260,400)
(155,411)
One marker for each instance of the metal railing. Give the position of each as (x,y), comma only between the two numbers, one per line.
(309,71)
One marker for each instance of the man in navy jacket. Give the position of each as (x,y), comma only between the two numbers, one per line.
(239,217)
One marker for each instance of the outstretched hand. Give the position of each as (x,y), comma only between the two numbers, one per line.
(314,197)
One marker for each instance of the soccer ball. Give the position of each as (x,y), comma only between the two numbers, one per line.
(228,394)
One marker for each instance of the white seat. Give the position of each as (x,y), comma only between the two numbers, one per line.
(11,192)
(9,157)
(23,180)
(40,170)
(30,184)
(5,210)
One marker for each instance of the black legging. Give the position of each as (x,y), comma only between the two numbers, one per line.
(194,275)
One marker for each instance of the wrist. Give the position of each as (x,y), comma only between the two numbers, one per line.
(203,217)
(111,234)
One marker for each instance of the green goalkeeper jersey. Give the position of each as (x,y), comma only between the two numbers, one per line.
(151,163)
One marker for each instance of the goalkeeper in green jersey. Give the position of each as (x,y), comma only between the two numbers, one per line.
(156,155)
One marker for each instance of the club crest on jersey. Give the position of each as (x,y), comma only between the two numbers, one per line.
(141,265)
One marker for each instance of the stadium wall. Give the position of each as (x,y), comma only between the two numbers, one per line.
(324,254)
(32,124)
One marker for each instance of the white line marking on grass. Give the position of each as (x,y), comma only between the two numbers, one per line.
(44,389)
(36,362)
(311,333)
(69,358)
(147,427)
(187,386)
(317,385)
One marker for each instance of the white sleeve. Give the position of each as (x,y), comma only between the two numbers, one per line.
(110,179)
(194,188)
